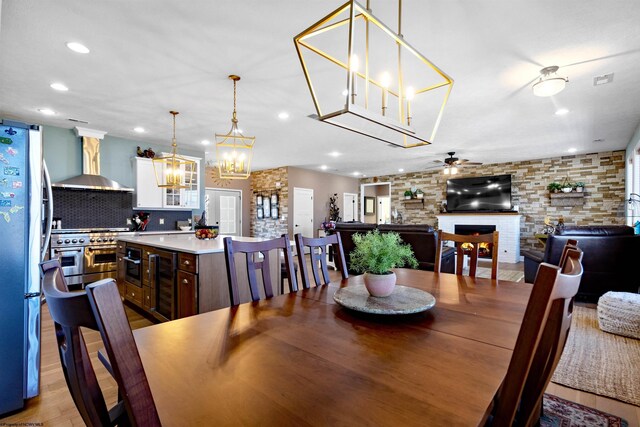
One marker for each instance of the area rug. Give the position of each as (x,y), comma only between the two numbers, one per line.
(508,275)
(563,413)
(599,362)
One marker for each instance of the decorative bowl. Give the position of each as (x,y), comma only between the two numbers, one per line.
(206,232)
(185,227)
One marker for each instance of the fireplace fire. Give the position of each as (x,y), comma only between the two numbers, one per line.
(485,250)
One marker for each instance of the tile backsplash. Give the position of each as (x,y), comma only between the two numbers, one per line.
(103,209)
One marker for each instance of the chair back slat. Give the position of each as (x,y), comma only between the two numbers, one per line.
(318,257)
(251,250)
(540,342)
(123,354)
(473,253)
(571,244)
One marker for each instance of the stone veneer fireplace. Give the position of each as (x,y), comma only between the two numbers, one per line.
(507,224)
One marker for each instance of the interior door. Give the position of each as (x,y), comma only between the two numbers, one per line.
(223,208)
(384,210)
(303,211)
(350,207)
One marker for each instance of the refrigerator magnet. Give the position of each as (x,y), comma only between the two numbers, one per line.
(5,203)
(11,171)
(17,184)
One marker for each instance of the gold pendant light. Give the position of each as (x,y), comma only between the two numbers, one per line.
(369,79)
(234,151)
(174,171)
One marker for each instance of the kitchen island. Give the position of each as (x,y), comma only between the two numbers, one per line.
(177,275)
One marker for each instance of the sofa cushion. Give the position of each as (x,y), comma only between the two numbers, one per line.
(595,230)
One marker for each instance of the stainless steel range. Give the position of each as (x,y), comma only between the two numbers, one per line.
(86,255)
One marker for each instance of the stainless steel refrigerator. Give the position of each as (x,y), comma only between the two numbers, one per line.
(24,237)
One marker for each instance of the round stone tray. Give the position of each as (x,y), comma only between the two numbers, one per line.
(403,300)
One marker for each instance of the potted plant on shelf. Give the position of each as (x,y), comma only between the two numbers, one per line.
(408,194)
(376,254)
(554,187)
(567,187)
(579,186)
(419,194)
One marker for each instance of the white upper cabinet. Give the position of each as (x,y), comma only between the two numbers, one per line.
(149,196)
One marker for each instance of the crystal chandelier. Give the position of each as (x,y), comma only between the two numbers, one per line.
(174,171)
(234,150)
(367,78)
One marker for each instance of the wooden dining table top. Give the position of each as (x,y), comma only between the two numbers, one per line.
(301,359)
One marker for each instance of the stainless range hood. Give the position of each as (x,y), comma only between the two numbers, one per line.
(91,178)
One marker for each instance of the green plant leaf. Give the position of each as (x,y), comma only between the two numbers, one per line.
(378,253)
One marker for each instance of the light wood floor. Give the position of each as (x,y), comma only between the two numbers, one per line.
(54,406)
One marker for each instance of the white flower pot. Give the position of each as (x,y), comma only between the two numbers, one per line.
(567,189)
(579,189)
(380,285)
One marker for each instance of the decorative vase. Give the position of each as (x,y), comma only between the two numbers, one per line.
(579,189)
(380,285)
(420,195)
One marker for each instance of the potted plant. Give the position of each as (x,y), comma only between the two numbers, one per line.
(419,194)
(408,194)
(554,187)
(567,187)
(579,186)
(376,254)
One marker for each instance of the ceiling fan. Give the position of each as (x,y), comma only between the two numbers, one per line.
(450,164)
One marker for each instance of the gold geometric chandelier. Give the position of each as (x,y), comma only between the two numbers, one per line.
(368,79)
(234,151)
(174,171)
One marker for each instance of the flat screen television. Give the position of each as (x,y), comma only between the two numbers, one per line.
(486,194)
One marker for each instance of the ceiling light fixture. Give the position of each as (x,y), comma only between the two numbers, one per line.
(400,170)
(382,70)
(234,151)
(283,115)
(78,47)
(561,111)
(174,171)
(324,167)
(572,150)
(334,154)
(205,142)
(549,82)
(59,86)
(47,111)
(139,129)
(356,173)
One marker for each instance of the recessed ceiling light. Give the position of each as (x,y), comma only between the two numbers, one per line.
(205,142)
(334,154)
(400,170)
(78,47)
(324,167)
(572,150)
(59,86)
(283,115)
(364,176)
(139,129)
(206,152)
(47,111)
(356,173)
(561,111)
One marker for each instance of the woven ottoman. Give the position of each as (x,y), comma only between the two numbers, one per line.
(619,313)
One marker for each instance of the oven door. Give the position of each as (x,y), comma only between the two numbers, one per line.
(71,260)
(98,259)
(133,266)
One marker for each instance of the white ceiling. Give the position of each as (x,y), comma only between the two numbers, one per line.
(149,57)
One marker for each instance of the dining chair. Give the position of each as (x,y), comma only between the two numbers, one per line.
(472,251)
(70,311)
(571,244)
(540,342)
(318,256)
(251,250)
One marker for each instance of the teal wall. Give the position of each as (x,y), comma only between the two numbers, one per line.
(63,154)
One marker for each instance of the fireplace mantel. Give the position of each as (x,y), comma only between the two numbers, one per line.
(506,223)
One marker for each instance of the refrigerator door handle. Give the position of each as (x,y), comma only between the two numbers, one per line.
(47,230)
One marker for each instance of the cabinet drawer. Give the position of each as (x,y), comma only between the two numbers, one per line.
(187,262)
(133,293)
(120,246)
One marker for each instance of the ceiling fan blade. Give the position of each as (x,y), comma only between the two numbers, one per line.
(473,163)
(433,167)
(521,88)
(461,161)
(586,61)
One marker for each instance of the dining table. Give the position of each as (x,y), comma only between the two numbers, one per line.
(302,359)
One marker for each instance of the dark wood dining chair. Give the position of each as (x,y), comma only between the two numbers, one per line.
(72,310)
(251,251)
(571,244)
(318,256)
(472,250)
(540,342)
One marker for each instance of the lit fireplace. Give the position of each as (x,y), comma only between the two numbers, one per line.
(485,250)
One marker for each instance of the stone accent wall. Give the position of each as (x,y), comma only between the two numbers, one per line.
(265,181)
(603,175)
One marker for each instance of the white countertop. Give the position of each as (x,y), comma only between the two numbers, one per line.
(183,242)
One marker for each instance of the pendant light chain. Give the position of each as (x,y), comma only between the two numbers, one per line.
(235,118)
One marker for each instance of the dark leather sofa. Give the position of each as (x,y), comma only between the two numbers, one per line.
(422,239)
(611,259)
